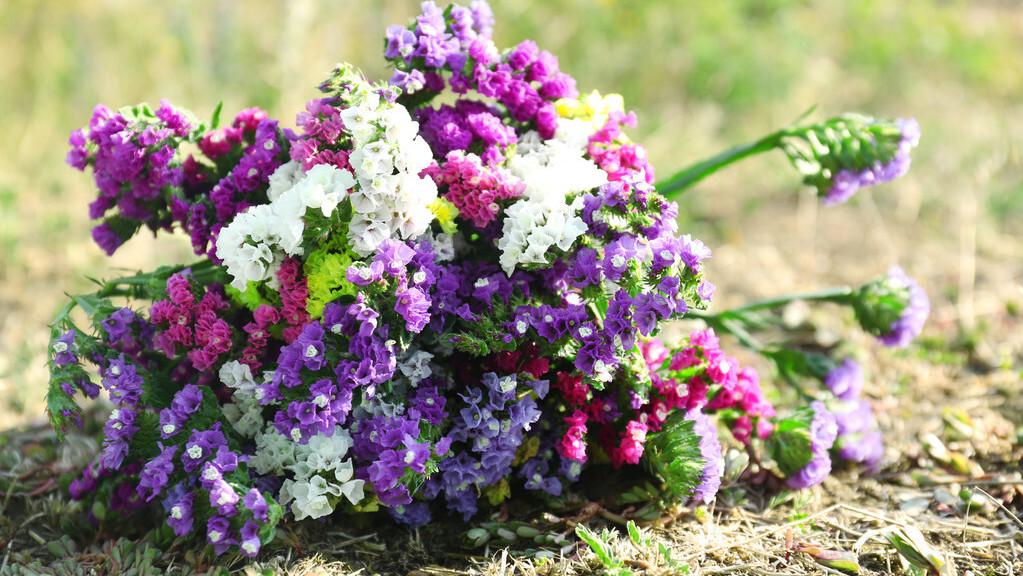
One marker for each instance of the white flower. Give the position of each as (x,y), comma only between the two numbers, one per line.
(333,447)
(574,132)
(283,179)
(273,452)
(552,171)
(245,246)
(308,499)
(443,246)
(366,234)
(416,366)
(236,375)
(287,213)
(323,187)
(245,414)
(359,121)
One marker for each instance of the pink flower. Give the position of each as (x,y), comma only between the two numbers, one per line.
(573,445)
(631,448)
(742,429)
(654,352)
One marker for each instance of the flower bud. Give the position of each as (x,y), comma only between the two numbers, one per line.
(843,154)
(893,308)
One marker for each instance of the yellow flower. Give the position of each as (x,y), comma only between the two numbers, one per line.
(445,211)
(592,107)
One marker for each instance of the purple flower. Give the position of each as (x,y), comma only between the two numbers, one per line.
(414,307)
(706,291)
(666,250)
(853,417)
(523,413)
(218,531)
(394,255)
(710,451)
(858,437)
(118,325)
(617,256)
(250,542)
(913,316)
(428,404)
(223,498)
(63,349)
(107,238)
(866,448)
(171,422)
(187,401)
(416,454)
(180,516)
(845,380)
(846,182)
(201,445)
(483,17)
(256,503)
(694,252)
(156,473)
(173,119)
(414,515)
(823,432)
(815,471)
(310,347)
(118,431)
(84,484)
(401,42)
(123,382)
(523,55)
(823,427)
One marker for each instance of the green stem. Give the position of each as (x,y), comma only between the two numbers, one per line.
(734,321)
(678,183)
(837,295)
(722,324)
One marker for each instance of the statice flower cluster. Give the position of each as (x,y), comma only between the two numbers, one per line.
(859,439)
(821,432)
(436,293)
(893,308)
(850,152)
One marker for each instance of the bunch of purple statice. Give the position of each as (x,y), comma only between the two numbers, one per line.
(425,308)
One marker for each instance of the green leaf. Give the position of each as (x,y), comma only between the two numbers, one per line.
(673,454)
(837,559)
(789,443)
(913,546)
(215,120)
(634,534)
(599,547)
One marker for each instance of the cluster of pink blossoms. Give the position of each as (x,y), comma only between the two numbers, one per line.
(294,296)
(323,133)
(473,188)
(697,377)
(610,149)
(195,325)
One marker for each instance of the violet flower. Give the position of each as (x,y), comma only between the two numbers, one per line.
(823,432)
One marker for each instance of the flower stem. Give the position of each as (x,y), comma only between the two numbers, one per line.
(837,295)
(735,322)
(675,185)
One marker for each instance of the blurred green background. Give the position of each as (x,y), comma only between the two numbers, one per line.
(701,75)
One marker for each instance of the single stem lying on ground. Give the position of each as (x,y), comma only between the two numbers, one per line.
(735,320)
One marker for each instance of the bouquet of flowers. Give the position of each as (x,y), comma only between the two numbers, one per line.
(430,307)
